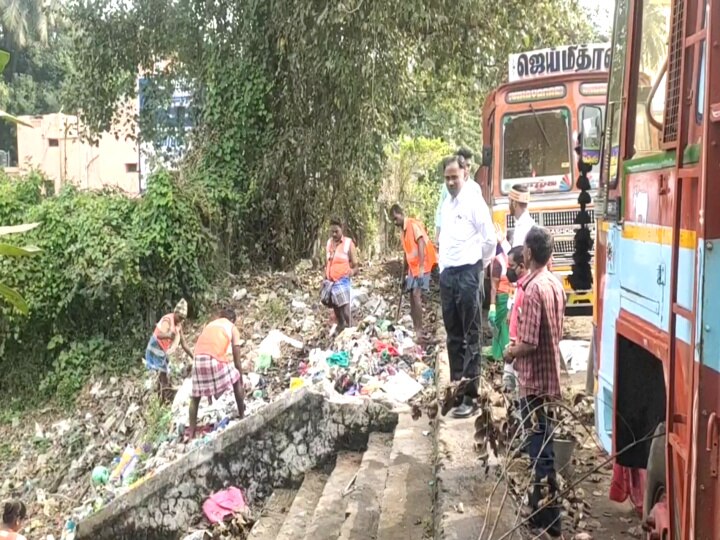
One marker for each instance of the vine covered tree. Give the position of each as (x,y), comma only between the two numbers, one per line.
(295,101)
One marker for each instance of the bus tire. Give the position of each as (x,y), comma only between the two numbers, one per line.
(656,468)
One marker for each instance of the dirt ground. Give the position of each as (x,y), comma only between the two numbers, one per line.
(605,520)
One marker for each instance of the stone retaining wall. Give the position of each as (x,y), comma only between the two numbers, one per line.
(270,449)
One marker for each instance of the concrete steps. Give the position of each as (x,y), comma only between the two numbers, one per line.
(362,513)
(329,515)
(273,515)
(406,511)
(384,493)
(303,507)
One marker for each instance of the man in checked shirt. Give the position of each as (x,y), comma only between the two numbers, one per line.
(536,358)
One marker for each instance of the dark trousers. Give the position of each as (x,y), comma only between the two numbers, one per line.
(539,427)
(460,297)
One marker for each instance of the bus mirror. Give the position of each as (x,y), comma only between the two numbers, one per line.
(591,135)
(486,156)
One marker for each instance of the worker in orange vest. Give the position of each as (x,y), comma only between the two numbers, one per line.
(341,266)
(420,258)
(217,366)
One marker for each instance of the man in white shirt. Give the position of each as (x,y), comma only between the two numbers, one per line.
(467,245)
(467,155)
(519,200)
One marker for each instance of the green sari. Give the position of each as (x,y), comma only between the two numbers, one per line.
(500,328)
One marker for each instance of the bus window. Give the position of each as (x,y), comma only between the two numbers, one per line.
(701,76)
(591,127)
(536,150)
(650,89)
(611,152)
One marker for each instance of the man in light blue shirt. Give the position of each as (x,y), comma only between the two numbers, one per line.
(467,155)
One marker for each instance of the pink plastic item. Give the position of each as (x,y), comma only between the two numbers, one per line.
(222,504)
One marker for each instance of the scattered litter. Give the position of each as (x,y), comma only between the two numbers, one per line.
(401,387)
(120,437)
(271,344)
(198,535)
(239,294)
(223,503)
(576,354)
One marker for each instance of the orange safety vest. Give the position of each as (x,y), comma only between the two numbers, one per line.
(166,343)
(504,286)
(412,251)
(215,340)
(338,259)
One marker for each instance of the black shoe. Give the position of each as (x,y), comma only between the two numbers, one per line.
(466,410)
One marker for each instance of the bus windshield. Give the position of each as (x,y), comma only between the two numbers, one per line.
(536,151)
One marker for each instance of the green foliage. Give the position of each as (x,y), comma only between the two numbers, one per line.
(7,293)
(158,417)
(109,266)
(32,82)
(73,367)
(295,101)
(413,176)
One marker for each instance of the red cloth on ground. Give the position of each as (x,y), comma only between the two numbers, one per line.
(628,482)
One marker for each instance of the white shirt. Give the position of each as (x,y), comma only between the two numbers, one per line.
(522,226)
(467,233)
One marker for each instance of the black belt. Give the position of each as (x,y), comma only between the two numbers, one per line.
(457,269)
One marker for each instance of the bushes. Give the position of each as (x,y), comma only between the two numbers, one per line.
(413,177)
(109,265)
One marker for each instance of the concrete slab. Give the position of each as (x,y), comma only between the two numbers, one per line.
(273,515)
(362,514)
(329,515)
(464,485)
(407,501)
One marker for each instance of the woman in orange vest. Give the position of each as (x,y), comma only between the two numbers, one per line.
(341,265)
(420,259)
(217,366)
(14,515)
(168,331)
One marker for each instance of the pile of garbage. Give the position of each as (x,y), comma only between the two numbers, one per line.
(69,465)
(377,359)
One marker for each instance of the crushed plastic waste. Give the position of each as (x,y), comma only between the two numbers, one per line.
(576,354)
(74,465)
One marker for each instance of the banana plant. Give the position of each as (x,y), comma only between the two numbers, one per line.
(4,59)
(7,293)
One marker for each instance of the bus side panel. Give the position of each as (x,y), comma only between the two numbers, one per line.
(707,471)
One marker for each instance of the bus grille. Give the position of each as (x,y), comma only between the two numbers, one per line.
(564,238)
(510,219)
(564,247)
(562,218)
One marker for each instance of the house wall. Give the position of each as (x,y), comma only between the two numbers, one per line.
(53,146)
